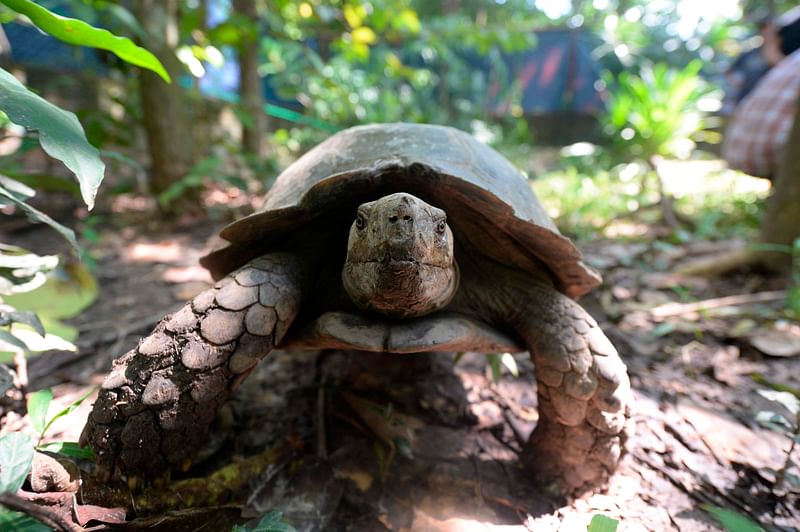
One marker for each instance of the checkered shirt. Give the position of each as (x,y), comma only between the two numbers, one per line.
(760,125)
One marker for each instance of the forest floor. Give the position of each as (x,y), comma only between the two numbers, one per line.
(698,352)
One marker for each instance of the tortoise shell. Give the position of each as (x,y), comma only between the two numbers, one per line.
(491,207)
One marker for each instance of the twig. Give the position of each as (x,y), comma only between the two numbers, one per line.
(675,309)
(42,513)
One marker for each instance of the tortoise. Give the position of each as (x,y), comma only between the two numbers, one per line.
(396,238)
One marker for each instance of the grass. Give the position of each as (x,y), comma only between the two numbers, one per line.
(588,203)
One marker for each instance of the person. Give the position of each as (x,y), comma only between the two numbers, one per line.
(760,125)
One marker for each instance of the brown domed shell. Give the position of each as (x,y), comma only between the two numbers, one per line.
(489,203)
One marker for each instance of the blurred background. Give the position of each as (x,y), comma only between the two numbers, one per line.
(581,95)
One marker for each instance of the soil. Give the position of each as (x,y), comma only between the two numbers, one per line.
(452,465)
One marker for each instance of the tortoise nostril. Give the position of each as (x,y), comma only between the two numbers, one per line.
(392,219)
(407,218)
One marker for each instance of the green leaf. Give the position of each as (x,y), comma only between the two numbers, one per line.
(28,318)
(38,216)
(494,365)
(271,522)
(16,458)
(9,338)
(60,133)
(20,522)
(74,31)
(66,448)
(38,404)
(732,521)
(602,523)
(65,411)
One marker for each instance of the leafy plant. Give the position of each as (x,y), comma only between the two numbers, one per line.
(16,458)
(653,115)
(38,407)
(62,137)
(17,452)
(77,32)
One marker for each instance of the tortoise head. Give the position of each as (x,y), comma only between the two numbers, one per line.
(400,257)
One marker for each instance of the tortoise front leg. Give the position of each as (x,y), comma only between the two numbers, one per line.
(583,391)
(156,405)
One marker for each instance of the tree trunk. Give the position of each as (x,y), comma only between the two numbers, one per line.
(165,115)
(781,223)
(251,94)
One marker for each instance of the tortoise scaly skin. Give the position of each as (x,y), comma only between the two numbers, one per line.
(391,238)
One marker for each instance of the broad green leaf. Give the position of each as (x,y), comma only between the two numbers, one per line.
(38,404)
(74,31)
(38,216)
(66,448)
(16,458)
(60,133)
(20,522)
(602,523)
(271,522)
(732,521)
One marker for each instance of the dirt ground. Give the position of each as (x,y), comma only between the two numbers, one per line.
(695,369)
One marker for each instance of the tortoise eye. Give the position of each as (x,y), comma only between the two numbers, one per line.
(441,226)
(360,222)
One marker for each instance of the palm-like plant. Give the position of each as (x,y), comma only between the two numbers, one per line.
(655,115)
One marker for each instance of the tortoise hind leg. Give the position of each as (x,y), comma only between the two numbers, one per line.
(584,396)
(156,405)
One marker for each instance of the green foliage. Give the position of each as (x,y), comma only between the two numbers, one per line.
(271,522)
(352,62)
(77,32)
(59,293)
(60,135)
(732,521)
(20,522)
(38,407)
(38,404)
(602,523)
(208,169)
(586,201)
(16,458)
(655,113)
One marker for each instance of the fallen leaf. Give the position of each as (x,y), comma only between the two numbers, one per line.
(784,342)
